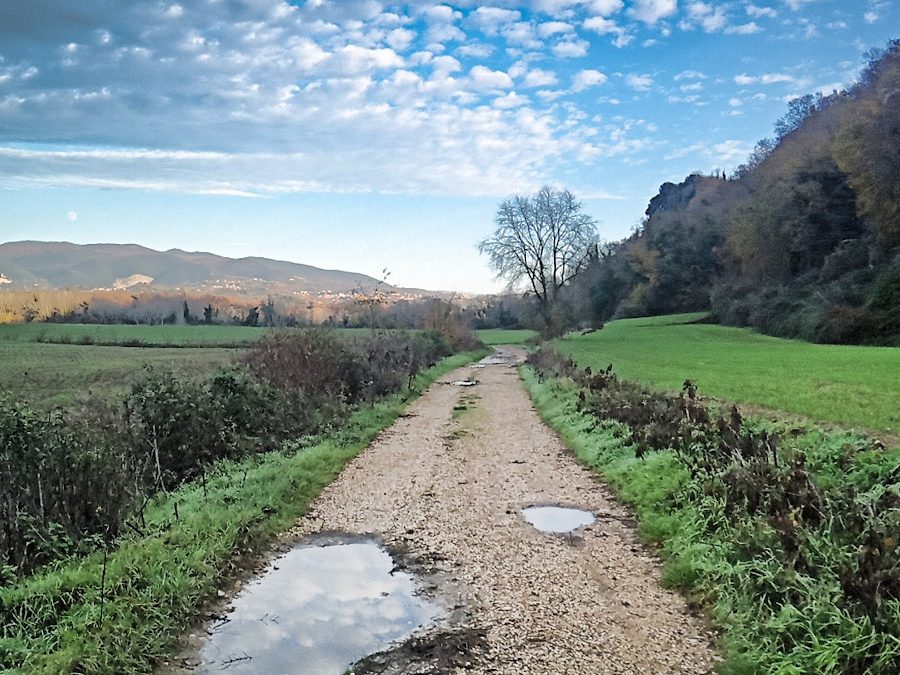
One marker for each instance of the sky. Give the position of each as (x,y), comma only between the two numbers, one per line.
(365,135)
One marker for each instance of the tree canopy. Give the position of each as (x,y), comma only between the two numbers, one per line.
(543,240)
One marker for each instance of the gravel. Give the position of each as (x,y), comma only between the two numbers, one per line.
(450,489)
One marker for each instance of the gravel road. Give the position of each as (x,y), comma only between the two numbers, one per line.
(447,486)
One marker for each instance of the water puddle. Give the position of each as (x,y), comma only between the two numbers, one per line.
(465,383)
(500,357)
(318,610)
(557,519)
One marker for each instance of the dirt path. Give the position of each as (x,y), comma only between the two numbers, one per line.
(449,488)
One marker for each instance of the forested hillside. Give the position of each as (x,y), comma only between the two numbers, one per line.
(803,240)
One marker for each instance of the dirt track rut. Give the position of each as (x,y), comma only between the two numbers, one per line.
(449,489)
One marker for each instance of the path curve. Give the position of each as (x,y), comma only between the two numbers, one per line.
(449,488)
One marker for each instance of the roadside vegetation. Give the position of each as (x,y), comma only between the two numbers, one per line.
(788,535)
(119,520)
(848,385)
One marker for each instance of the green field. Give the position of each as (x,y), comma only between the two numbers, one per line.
(858,386)
(121,333)
(498,336)
(50,375)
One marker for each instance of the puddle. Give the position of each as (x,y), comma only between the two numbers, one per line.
(318,610)
(557,519)
(465,383)
(500,357)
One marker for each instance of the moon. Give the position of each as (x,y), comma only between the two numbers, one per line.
(72,215)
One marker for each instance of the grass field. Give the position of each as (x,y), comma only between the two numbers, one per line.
(857,386)
(121,333)
(49,375)
(497,336)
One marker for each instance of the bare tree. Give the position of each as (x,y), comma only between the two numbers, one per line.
(543,240)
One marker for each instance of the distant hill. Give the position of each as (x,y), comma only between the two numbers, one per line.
(61,264)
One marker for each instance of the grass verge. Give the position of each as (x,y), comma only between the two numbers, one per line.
(123,612)
(777,616)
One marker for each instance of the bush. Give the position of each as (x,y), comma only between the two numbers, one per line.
(59,483)
(311,361)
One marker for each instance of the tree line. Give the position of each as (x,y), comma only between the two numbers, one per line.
(802,240)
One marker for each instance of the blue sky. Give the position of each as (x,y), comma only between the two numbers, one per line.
(362,135)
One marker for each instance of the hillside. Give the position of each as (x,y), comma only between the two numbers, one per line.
(62,264)
(802,241)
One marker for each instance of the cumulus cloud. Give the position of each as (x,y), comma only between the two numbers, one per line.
(744,29)
(767,78)
(585,79)
(269,97)
(651,11)
(570,49)
(690,75)
(639,82)
(489,20)
(707,16)
(604,26)
(484,78)
(554,27)
(537,77)
(757,12)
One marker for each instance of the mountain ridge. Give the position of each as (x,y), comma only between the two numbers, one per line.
(62,264)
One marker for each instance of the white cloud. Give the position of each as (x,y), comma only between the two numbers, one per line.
(439,33)
(743,29)
(584,79)
(571,49)
(796,4)
(689,75)
(489,20)
(758,12)
(355,59)
(485,79)
(553,28)
(400,39)
(870,17)
(441,14)
(735,102)
(476,50)
(511,100)
(694,86)
(651,11)
(724,153)
(603,26)
(604,7)
(537,77)
(693,98)
(639,82)
(72,215)
(767,78)
(707,16)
